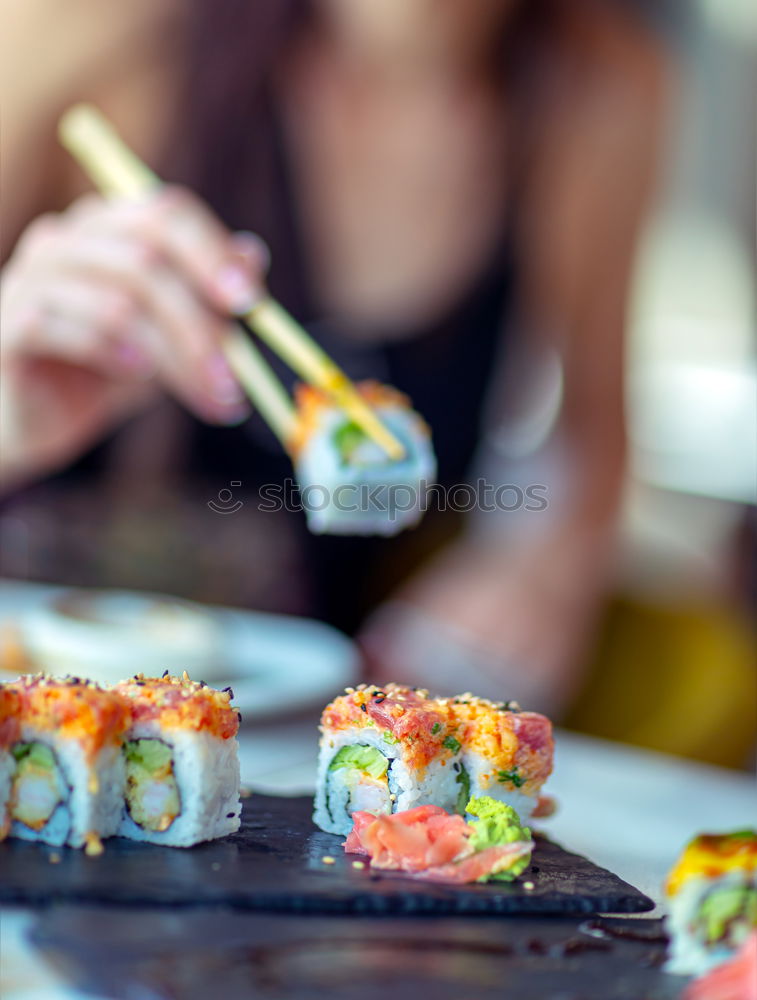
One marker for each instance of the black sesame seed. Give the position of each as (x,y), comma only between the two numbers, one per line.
(230,815)
(164,674)
(228,691)
(239,716)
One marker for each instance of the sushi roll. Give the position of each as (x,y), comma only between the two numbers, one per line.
(506,754)
(67,782)
(182,763)
(9,732)
(712,900)
(385,750)
(348,485)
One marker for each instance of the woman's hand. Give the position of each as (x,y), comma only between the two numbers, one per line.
(106,303)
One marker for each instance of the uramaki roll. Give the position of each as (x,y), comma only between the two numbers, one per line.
(506,753)
(182,762)
(348,484)
(711,895)
(385,750)
(68,776)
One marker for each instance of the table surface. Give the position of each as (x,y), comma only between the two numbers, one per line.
(627,809)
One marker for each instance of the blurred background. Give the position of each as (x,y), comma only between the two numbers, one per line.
(668,656)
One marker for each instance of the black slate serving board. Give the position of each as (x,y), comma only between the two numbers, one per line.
(275,862)
(197,954)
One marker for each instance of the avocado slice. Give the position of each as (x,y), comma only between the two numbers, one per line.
(361,758)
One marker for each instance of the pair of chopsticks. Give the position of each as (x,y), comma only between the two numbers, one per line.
(117,172)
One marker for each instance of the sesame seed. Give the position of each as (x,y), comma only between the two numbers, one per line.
(328,860)
(54,858)
(529,885)
(358,864)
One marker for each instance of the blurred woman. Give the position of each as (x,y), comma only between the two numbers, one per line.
(451,194)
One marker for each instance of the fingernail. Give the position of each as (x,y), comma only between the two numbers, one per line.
(224,388)
(235,286)
(254,247)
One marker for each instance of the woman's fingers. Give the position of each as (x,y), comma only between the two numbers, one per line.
(174,224)
(135,287)
(187,348)
(87,323)
(107,303)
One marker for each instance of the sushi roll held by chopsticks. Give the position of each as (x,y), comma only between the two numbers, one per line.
(182,762)
(348,484)
(712,900)
(67,779)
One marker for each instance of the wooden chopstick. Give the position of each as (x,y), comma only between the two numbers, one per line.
(117,172)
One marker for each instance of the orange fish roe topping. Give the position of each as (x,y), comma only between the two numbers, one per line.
(75,708)
(519,745)
(711,855)
(422,725)
(311,403)
(180,703)
(10,704)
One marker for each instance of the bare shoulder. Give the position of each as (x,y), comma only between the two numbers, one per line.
(616,79)
(44,41)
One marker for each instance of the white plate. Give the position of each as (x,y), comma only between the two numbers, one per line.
(276,664)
